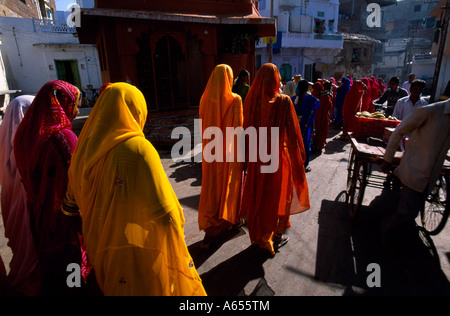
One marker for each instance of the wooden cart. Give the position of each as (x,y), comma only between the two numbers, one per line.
(363,155)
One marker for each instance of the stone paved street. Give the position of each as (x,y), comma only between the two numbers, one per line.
(327,254)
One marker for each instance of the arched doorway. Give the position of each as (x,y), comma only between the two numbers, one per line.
(162,70)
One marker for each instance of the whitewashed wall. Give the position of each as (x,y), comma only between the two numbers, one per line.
(29,56)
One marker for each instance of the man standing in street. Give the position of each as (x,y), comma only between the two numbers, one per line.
(407,84)
(422,160)
(407,105)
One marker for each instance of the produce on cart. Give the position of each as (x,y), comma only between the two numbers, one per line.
(372,125)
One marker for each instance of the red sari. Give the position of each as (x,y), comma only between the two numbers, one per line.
(268,197)
(367,97)
(322,121)
(43,147)
(352,105)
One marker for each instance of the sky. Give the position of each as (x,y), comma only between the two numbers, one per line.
(61,5)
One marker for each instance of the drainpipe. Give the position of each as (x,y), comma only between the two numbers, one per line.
(17,45)
(444,28)
(271,38)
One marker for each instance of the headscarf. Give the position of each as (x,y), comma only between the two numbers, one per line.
(289,88)
(133,224)
(217,97)
(46,116)
(23,275)
(13,116)
(317,89)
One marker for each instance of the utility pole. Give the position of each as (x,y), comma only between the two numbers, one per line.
(444,29)
(271,38)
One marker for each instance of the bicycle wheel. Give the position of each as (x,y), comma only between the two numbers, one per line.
(357,188)
(436,210)
(429,244)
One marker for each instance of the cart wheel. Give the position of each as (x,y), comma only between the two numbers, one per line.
(436,211)
(357,188)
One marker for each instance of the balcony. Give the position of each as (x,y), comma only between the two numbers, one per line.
(53,26)
(312,40)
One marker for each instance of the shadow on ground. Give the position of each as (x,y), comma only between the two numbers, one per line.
(346,248)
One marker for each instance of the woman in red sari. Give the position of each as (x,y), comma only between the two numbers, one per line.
(375,93)
(322,121)
(268,197)
(352,104)
(367,97)
(43,147)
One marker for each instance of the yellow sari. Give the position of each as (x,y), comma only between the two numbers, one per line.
(133,224)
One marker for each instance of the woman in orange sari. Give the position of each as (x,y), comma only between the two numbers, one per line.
(133,224)
(268,197)
(221,180)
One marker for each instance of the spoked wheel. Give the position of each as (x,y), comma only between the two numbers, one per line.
(429,244)
(357,188)
(436,211)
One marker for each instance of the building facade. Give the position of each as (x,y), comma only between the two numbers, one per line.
(36,9)
(307,39)
(36,51)
(169,48)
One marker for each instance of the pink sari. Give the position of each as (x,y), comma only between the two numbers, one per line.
(24,273)
(43,147)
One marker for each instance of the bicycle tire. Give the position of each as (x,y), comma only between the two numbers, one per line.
(436,210)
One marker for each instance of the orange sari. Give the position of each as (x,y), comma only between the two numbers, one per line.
(221,181)
(268,197)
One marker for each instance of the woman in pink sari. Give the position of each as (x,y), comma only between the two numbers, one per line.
(24,273)
(43,147)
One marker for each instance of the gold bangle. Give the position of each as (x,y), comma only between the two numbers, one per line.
(77,213)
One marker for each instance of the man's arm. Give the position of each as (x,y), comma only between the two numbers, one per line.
(383,98)
(415,120)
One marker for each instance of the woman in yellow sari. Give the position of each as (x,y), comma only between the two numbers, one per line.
(133,224)
(221,180)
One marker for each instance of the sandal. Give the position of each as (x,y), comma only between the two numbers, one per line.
(280,240)
(206,242)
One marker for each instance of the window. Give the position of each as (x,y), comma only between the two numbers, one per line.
(331,25)
(417,8)
(286,72)
(319,26)
(321,14)
(67,70)
(356,55)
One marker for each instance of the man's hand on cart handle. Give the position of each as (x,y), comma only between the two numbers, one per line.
(385,166)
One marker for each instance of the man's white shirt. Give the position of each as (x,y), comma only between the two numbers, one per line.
(404,107)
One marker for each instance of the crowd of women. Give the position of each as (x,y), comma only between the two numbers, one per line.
(104,202)
(328,101)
